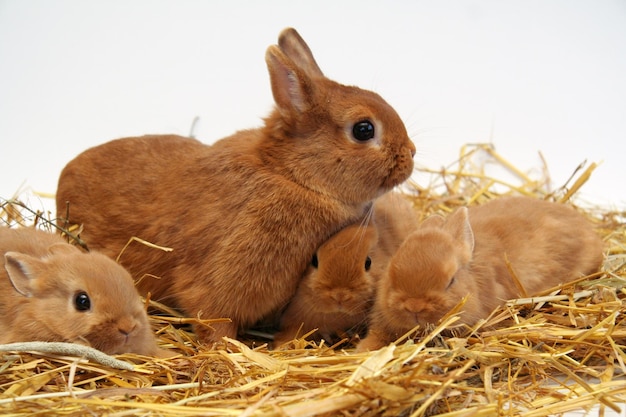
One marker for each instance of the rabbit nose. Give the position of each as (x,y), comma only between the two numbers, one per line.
(126,329)
(412,148)
(341,298)
(415,306)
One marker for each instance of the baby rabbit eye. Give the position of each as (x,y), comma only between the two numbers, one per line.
(363,130)
(451,282)
(314,262)
(368,263)
(82,301)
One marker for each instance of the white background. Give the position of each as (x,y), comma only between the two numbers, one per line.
(529,76)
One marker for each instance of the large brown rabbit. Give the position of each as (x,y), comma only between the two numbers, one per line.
(245,215)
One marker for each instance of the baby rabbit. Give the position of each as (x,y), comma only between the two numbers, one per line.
(51,291)
(444,260)
(337,290)
(244,215)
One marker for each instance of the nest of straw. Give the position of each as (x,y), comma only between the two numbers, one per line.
(551,354)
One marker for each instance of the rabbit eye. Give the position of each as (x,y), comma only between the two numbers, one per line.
(82,301)
(451,282)
(363,130)
(314,262)
(368,263)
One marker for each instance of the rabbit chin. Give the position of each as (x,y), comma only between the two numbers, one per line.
(109,342)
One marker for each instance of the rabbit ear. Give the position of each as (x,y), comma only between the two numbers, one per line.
(22,272)
(291,87)
(435,221)
(61,248)
(459,226)
(292,44)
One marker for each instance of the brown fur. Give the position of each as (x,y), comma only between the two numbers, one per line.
(245,214)
(335,297)
(39,280)
(546,244)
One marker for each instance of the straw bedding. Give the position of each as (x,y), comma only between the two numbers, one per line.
(547,355)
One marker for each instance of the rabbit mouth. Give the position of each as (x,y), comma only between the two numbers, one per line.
(111,346)
(401,171)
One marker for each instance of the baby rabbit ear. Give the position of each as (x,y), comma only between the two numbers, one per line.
(458,225)
(434,221)
(61,248)
(21,269)
(292,44)
(291,87)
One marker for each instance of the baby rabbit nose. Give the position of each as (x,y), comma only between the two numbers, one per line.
(414,307)
(126,329)
(339,299)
